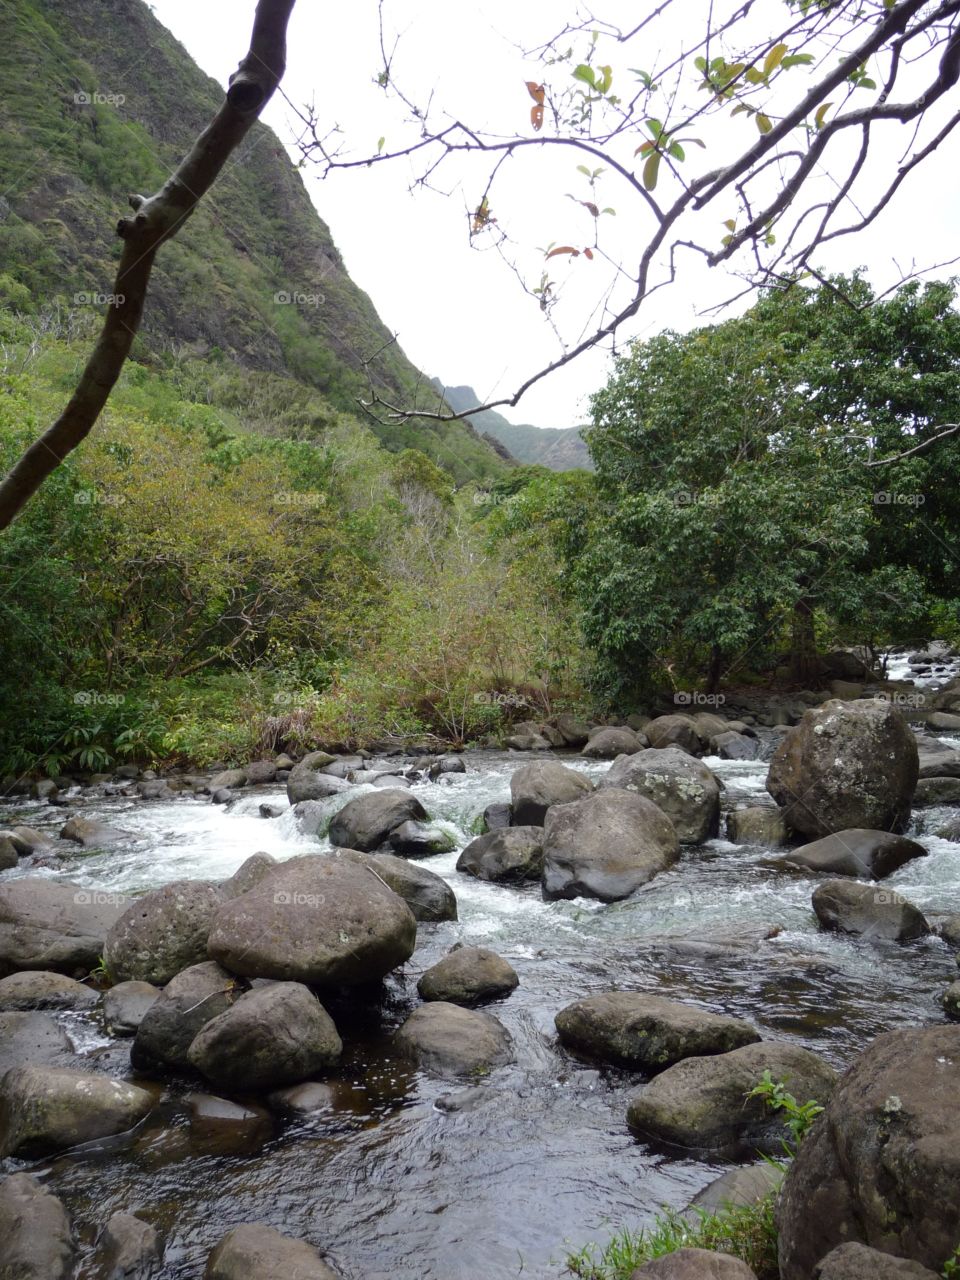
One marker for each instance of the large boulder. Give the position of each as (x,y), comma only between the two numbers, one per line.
(701,1104)
(882,1165)
(857,852)
(51,924)
(934,792)
(508,855)
(92,834)
(605,846)
(537,786)
(852,1261)
(646,1032)
(43,990)
(846,765)
(186,1004)
(255,1251)
(249,874)
(676,782)
(676,731)
(36,1242)
(366,822)
(275,1035)
(607,744)
(27,1038)
(847,906)
(445,1039)
(467,975)
(319,919)
(694,1264)
(46,1109)
(162,932)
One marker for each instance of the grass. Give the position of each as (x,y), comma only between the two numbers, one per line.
(746,1232)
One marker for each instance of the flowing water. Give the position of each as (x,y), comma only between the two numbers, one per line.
(536,1158)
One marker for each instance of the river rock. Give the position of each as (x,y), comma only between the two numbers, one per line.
(497,816)
(950,1000)
(734,746)
(249,874)
(757,824)
(42,990)
(162,932)
(701,1103)
(366,822)
(853,1261)
(227,780)
(36,1242)
(445,1039)
(45,1109)
(255,1251)
(27,840)
(847,906)
(856,852)
(275,1035)
(306,783)
(51,924)
(27,1038)
(846,765)
(646,1032)
(427,895)
(231,1126)
(931,792)
(574,731)
(186,1004)
(737,1188)
(420,840)
(8,854)
(125,1006)
(317,919)
(694,1264)
(605,846)
(92,834)
(467,975)
(882,1165)
(128,1249)
(510,855)
(675,731)
(938,761)
(682,786)
(607,744)
(526,742)
(537,786)
(260,772)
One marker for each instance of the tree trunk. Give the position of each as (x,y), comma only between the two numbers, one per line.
(803,648)
(156,218)
(715,669)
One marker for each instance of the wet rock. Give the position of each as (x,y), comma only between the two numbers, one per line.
(270,810)
(420,840)
(163,932)
(445,1039)
(228,780)
(701,1104)
(32,1037)
(186,1004)
(45,1109)
(260,772)
(317,919)
(694,1264)
(222,795)
(468,975)
(308,783)
(526,742)
(304,1099)
(388,780)
(573,730)
(738,1187)
(41,990)
(734,746)
(278,1034)
(646,1032)
(757,825)
(948,927)
(846,906)
(255,1251)
(36,1242)
(882,1165)
(497,816)
(951,1001)
(937,791)
(8,854)
(126,1005)
(605,846)
(856,852)
(228,1122)
(366,822)
(854,1261)
(92,834)
(249,874)
(607,744)
(449,763)
(128,1249)
(27,840)
(510,855)
(675,731)
(51,924)
(427,895)
(537,786)
(937,761)
(677,783)
(846,765)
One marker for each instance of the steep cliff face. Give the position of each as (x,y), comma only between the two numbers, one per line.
(559,448)
(98,101)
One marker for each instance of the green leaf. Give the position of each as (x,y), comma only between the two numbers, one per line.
(753,76)
(821,115)
(586,74)
(796,60)
(764,123)
(380,145)
(651,170)
(582,168)
(676,151)
(774,58)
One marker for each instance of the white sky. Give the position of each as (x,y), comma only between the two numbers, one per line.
(459,314)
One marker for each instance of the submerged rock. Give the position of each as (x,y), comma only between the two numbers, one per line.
(255,1251)
(445,1039)
(856,852)
(846,906)
(467,975)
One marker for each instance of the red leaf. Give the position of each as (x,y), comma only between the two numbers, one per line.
(564,248)
(536,117)
(536,92)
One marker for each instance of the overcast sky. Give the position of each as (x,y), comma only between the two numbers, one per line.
(460,314)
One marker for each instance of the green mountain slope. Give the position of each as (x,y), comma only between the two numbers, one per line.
(98,101)
(559,448)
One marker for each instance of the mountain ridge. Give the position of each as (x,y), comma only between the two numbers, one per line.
(558,448)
